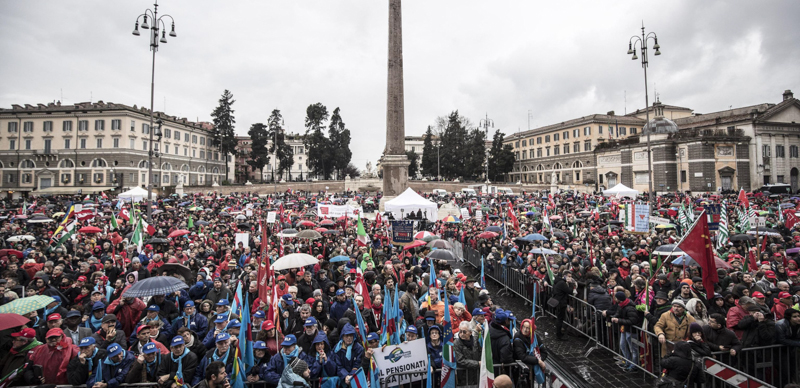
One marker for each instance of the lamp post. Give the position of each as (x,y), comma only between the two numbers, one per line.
(486,123)
(642,42)
(680,169)
(438,165)
(158,26)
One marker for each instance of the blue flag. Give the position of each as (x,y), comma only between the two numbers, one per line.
(462,299)
(483,279)
(429,380)
(448,355)
(245,336)
(362,329)
(359,380)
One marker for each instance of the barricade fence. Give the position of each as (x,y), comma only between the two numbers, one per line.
(775,365)
(521,375)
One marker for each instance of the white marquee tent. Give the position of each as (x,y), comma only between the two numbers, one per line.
(136,194)
(410,201)
(622,191)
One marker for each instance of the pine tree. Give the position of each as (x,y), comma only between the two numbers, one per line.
(315,141)
(428,163)
(284,156)
(223,136)
(413,167)
(501,157)
(339,144)
(259,154)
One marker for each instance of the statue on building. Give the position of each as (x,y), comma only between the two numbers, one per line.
(553,178)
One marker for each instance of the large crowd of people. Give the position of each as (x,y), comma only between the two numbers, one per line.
(306,330)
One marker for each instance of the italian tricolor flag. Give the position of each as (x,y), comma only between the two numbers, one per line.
(487,365)
(362,238)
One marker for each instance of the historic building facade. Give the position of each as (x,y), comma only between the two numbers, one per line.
(91,147)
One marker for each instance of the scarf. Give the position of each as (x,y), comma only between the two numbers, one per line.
(349,349)
(151,366)
(90,360)
(146,320)
(288,357)
(215,357)
(94,323)
(50,311)
(108,361)
(624,303)
(179,374)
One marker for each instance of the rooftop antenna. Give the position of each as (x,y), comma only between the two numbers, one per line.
(62,94)
(90,97)
(165,104)
(625,94)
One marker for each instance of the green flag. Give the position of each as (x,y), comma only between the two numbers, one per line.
(191,222)
(114,224)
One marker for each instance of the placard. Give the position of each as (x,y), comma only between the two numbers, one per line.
(248,212)
(271,217)
(336,211)
(243,238)
(713,213)
(464,213)
(760,222)
(394,363)
(641,219)
(402,232)
(659,220)
(479,214)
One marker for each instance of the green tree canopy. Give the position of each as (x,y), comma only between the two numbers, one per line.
(284,156)
(259,154)
(223,136)
(501,157)
(413,167)
(339,137)
(428,163)
(317,145)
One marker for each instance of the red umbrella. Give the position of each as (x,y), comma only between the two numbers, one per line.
(306,223)
(178,233)
(10,320)
(89,229)
(488,235)
(327,222)
(417,243)
(9,252)
(321,230)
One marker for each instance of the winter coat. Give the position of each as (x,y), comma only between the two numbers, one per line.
(128,315)
(216,295)
(522,345)
(655,314)
(735,314)
(345,366)
(14,361)
(139,374)
(755,333)
(271,372)
(786,334)
(102,343)
(562,292)
(672,329)
(208,358)
(467,357)
(169,367)
(721,337)
(680,366)
(599,298)
(435,353)
(501,343)
(628,317)
(114,375)
(198,323)
(470,296)
(78,374)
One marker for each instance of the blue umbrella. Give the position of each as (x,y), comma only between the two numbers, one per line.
(159,285)
(494,228)
(529,214)
(682,259)
(182,204)
(787,205)
(338,259)
(535,237)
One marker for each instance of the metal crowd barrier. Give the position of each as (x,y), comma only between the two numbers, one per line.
(521,375)
(775,365)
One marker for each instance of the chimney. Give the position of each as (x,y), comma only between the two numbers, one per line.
(610,113)
(787,95)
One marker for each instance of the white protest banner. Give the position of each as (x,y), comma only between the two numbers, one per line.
(271,217)
(479,214)
(336,211)
(248,212)
(641,218)
(407,357)
(658,220)
(758,222)
(464,213)
(243,238)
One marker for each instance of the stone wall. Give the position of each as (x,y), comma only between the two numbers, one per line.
(333,186)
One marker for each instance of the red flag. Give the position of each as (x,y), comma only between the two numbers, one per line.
(513,219)
(743,198)
(753,264)
(697,244)
(265,274)
(363,289)
(378,221)
(790,218)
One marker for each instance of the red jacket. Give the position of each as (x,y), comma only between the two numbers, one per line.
(778,309)
(735,314)
(127,315)
(54,360)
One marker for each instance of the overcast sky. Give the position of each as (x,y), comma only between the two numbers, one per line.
(557,60)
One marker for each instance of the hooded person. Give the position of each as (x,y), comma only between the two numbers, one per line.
(502,352)
(697,309)
(192,320)
(435,345)
(14,360)
(261,357)
(523,343)
(114,368)
(322,352)
(680,366)
(53,357)
(128,312)
(295,375)
(272,371)
(348,354)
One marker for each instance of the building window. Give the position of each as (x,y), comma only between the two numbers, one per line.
(48,145)
(98,177)
(83,143)
(65,178)
(576,133)
(683,176)
(780,178)
(539,140)
(27,144)
(622,131)
(177,135)
(600,176)
(132,144)
(538,152)
(765,151)
(194,139)
(27,178)
(83,125)
(600,129)
(10,178)
(524,154)
(185,151)
(577,176)
(547,139)
(566,148)
(793,151)
(642,178)
(100,143)
(780,152)
(167,133)
(194,152)
(27,163)
(555,137)
(186,137)
(67,143)
(176,150)
(547,150)
(27,126)
(202,140)
(587,131)
(202,154)
(576,146)
(12,126)
(633,131)
(12,144)
(116,124)
(587,145)
(566,135)
(524,143)
(144,145)
(99,125)
(133,125)
(146,129)
(48,126)
(132,177)
(116,142)
(66,126)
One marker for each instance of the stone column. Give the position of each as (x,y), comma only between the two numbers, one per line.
(394,162)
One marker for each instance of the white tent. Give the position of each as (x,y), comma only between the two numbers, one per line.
(410,201)
(136,194)
(622,191)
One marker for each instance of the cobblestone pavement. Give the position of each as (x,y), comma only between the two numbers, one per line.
(597,370)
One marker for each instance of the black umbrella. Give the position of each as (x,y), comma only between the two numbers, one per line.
(331,232)
(742,237)
(560,234)
(493,217)
(442,254)
(157,240)
(202,222)
(158,285)
(494,228)
(173,268)
(244,226)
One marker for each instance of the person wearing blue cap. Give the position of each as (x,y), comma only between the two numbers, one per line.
(191,319)
(310,330)
(411,333)
(234,326)
(90,356)
(152,313)
(502,351)
(220,324)
(348,354)
(272,371)
(340,305)
(180,362)
(222,352)
(261,357)
(435,345)
(199,290)
(323,354)
(95,320)
(112,371)
(53,308)
(145,367)
(258,318)
(167,308)
(223,306)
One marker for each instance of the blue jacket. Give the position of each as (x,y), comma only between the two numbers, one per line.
(197,323)
(346,367)
(199,292)
(200,372)
(209,341)
(114,375)
(271,372)
(339,308)
(436,354)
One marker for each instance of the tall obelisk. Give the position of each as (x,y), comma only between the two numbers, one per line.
(394,162)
